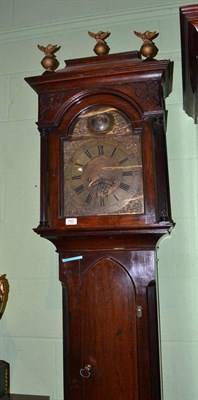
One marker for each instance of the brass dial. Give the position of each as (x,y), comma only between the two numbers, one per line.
(102,163)
(102,177)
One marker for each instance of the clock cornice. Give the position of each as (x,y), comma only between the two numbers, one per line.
(85,70)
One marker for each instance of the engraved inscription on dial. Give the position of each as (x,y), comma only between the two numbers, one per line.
(103,177)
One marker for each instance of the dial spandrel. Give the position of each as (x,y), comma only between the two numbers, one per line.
(102,166)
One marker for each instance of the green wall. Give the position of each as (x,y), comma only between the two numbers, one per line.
(31,329)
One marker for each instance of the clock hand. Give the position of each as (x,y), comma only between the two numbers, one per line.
(123,167)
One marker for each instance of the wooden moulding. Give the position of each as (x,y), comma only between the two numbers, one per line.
(189,50)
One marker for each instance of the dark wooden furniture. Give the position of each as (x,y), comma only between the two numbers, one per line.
(26,397)
(106,227)
(189,49)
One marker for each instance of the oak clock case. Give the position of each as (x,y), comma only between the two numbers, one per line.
(105,204)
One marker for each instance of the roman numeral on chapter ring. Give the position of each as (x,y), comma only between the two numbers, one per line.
(127,173)
(113,152)
(79,165)
(88,154)
(79,189)
(100,149)
(88,198)
(123,160)
(115,197)
(102,202)
(124,186)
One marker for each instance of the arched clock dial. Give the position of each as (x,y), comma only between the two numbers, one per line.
(103,176)
(103,165)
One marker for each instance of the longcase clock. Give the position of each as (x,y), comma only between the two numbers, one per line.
(105,204)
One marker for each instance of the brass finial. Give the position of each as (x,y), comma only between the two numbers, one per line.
(49,62)
(4,290)
(148,49)
(101,48)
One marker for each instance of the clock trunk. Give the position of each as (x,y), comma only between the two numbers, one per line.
(111,327)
